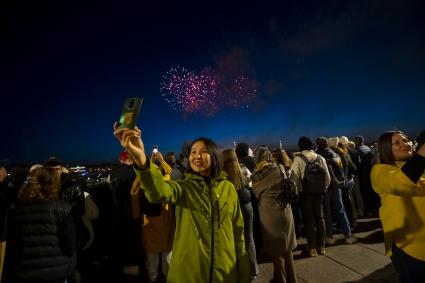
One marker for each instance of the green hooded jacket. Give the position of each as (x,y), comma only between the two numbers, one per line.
(208,243)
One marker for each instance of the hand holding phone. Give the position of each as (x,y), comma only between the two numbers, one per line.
(131,140)
(130,112)
(155,149)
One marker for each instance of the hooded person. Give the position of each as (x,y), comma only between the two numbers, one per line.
(277,221)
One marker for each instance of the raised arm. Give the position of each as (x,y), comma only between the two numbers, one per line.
(131,140)
(155,188)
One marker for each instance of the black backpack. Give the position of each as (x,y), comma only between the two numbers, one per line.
(289,193)
(314,179)
(337,174)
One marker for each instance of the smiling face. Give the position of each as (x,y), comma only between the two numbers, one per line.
(200,159)
(401,146)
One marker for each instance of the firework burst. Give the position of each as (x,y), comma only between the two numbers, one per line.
(206,92)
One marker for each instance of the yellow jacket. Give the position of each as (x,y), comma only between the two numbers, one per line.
(402,211)
(158,231)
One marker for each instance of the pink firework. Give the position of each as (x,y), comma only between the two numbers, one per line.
(206,92)
(190,92)
(173,87)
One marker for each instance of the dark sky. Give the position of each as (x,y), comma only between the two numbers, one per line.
(322,68)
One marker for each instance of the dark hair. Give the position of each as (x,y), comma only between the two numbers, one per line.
(385,147)
(170,158)
(321,142)
(185,149)
(420,139)
(19,174)
(73,191)
(358,140)
(304,143)
(53,161)
(216,163)
(242,150)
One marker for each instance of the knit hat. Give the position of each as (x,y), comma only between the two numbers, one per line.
(53,161)
(333,142)
(35,167)
(343,140)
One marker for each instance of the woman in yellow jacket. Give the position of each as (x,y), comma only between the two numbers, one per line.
(399,180)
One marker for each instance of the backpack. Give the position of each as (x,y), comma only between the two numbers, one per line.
(289,193)
(336,172)
(244,193)
(314,179)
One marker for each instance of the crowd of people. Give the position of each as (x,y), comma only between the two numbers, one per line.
(210,215)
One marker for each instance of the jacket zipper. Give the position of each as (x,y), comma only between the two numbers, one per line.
(212,234)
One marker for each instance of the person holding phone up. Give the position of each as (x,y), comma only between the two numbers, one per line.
(209,244)
(399,179)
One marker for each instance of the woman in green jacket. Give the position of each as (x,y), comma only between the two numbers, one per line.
(209,243)
(399,180)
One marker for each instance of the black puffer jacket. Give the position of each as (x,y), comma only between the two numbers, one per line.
(40,243)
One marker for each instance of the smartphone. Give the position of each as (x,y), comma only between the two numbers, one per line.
(155,149)
(130,112)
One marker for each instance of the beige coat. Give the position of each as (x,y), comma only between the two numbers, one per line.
(277,222)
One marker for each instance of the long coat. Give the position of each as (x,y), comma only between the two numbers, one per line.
(277,221)
(209,244)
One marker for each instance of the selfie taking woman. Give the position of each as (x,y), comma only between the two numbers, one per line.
(208,243)
(399,180)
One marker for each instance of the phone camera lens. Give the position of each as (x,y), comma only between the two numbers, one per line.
(131,104)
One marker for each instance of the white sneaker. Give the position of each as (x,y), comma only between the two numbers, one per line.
(131,270)
(350,240)
(330,241)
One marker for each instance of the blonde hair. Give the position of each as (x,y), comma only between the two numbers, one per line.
(282,157)
(262,153)
(233,169)
(43,184)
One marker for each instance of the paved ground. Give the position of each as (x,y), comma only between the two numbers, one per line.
(364,261)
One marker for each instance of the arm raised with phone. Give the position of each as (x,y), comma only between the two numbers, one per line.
(208,214)
(155,189)
(131,140)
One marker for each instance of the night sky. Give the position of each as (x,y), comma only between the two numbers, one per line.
(321,68)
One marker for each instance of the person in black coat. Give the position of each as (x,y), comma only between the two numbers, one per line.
(41,235)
